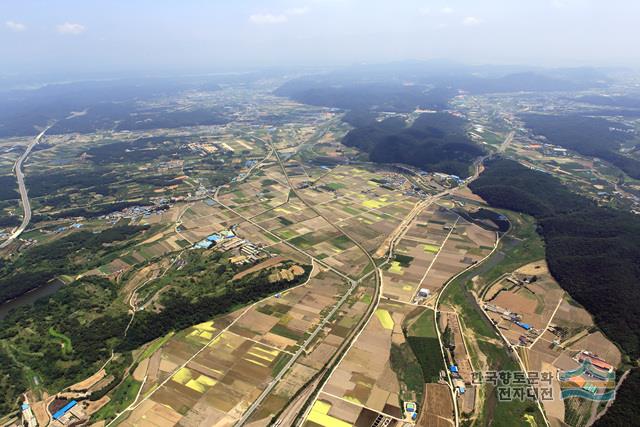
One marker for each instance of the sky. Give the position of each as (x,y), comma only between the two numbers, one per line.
(157,36)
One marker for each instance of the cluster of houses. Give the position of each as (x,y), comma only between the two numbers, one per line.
(529,332)
(226,240)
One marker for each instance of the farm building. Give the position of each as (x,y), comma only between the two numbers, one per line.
(595,361)
(524,326)
(203,244)
(60,413)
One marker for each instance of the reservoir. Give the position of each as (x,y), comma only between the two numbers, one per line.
(30,297)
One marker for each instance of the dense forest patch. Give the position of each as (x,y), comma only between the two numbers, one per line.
(625,408)
(590,136)
(8,187)
(67,255)
(435,142)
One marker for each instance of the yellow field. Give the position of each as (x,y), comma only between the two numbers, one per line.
(320,415)
(395,267)
(431,248)
(385,318)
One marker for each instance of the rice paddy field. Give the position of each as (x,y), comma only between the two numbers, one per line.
(438,407)
(436,246)
(365,378)
(319,352)
(210,373)
(367,216)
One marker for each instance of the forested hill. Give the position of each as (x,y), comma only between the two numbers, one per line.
(591,136)
(404,86)
(625,408)
(435,142)
(593,252)
(366,96)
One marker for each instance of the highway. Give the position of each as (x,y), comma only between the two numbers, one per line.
(26,205)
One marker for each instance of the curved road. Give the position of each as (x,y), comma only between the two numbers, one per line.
(26,206)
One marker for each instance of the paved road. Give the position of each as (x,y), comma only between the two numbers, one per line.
(26,206)
(507,141)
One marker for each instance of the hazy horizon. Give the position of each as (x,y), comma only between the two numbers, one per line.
(159,37)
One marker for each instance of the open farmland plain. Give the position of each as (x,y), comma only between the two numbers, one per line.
(365,378)
(398,351)
(335,219)
(286,212)
(257,272)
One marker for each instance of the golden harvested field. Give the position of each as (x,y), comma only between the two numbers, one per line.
(330,411)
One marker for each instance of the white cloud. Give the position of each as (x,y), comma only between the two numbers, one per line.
(424,11)
(277,18)
(297,11)
(15,26)
(446,10)
(471,20)
(268,18)
(70,28)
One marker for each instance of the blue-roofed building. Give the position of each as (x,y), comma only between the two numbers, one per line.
(524,326)
(214,238)
(203,244)
(62,411)
(453,369)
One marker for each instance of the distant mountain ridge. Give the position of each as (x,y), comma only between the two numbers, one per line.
(365,86)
